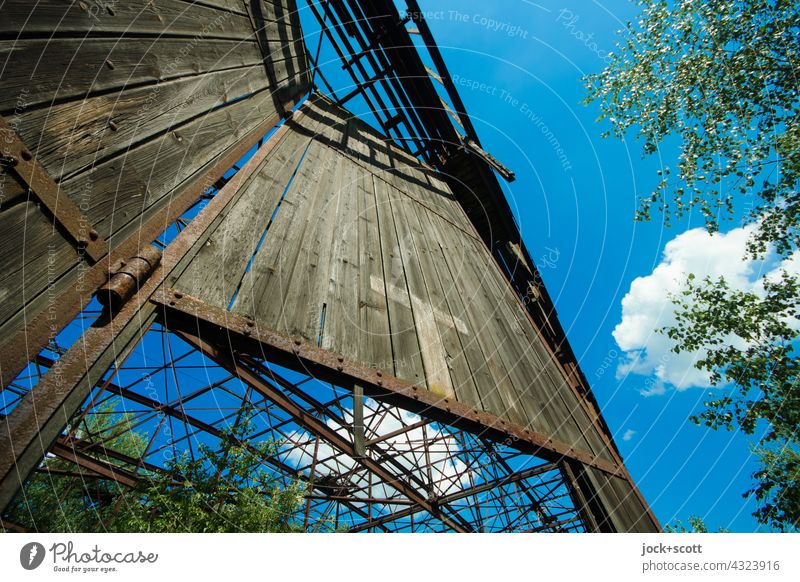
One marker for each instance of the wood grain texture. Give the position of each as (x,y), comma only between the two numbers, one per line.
(125,104)
(220,265)
(370,258)
(71,137)
(58,69)
(140,17)
(115,192)
(406,346)
(43,253)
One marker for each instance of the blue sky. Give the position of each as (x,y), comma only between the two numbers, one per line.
(519,66)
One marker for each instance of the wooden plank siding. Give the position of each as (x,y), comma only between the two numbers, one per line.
(124,104)
(370,257)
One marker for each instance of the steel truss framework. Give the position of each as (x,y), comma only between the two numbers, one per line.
(368,465)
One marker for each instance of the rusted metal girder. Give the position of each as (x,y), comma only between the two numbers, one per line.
(39,183)
(75,451)
(68,451)
(103,468)
(189,313)
(325,492)
(30,339)
(312,424)
(30,429)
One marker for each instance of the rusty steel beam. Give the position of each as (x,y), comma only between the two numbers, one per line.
(171,411)
(398,432)
(103,468)
(22,345)
(291,388)
(67,450)
(184,312)
(370,500)
(60,206)
(311,423)
(30,429)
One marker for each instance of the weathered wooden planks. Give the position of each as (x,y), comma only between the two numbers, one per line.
(625,509)
(496,345)
(264,288)
(59,69)
(33,258)
(369,257)
(125,104)
(221,263)
(342,331)
(375,341)
(140,17)
(69,138)
(116,191)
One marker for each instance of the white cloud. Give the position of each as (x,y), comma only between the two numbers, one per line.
(647,307)
(448,471)
(629,434)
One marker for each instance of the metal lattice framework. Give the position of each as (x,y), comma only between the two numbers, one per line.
(389,470)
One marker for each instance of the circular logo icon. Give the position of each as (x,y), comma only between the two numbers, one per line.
(31,555)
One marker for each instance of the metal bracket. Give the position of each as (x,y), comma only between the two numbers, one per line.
(33,175)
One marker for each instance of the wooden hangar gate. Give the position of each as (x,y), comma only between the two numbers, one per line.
(194,228)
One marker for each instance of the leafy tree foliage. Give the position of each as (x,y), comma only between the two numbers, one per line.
(220,490)
(696,525)
(748,340)
(55,500)
(719,78)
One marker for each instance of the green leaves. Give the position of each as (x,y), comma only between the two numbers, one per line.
(224,488)
(748,343)
(778,486)
(722,77)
